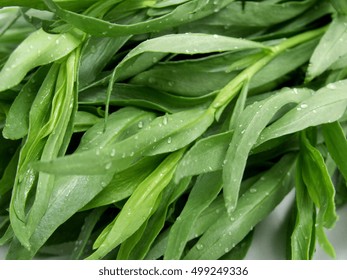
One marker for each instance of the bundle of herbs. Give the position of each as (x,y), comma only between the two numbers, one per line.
(168,129)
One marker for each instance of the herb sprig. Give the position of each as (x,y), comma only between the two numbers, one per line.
(169,129)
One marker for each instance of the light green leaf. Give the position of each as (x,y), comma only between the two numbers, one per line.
(39,48)
(327,105)
(303,236)
(167,133)
(340,6)
(200,197)
(95,55)
(138,207)
(157,221)
(330,49)
(253,206)
(143,97)
(124,183)
(17,121)
(321,190)
(206,155)
(183,13)
(249,126)
(191,43)
(336,143)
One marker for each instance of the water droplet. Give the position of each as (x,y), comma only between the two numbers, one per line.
(103,184)
(298,108)
(155,60)
(140,124)
(303,106)
(230,210)
(243,131)
(169,140)
(252,190)
(165,120)
(295,90)
(171,84)
(57,41)
(132,154)
(314,111)
(108,166)
(199,246)
(151,80)
(331,86)
(226,250)
(97,152)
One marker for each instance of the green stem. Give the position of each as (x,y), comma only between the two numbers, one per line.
(234,86)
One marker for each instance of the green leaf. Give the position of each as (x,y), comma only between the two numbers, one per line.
(340,6)
(336,143)
(167,133)
(253,14)
(143,97)
(17,121)
(206,155)
(138,207)
(303,235)
(183,13)
(327,105)
(71,193)
(58,131)
(157,221)
(84,120)
(249,126)
(39,48)
(321,190)
(200,197)
(86,231)
(197,77)
(96,54)
(253,206)
(240,251)
(38,4)
(31,151)
(330,49)
(124,183)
